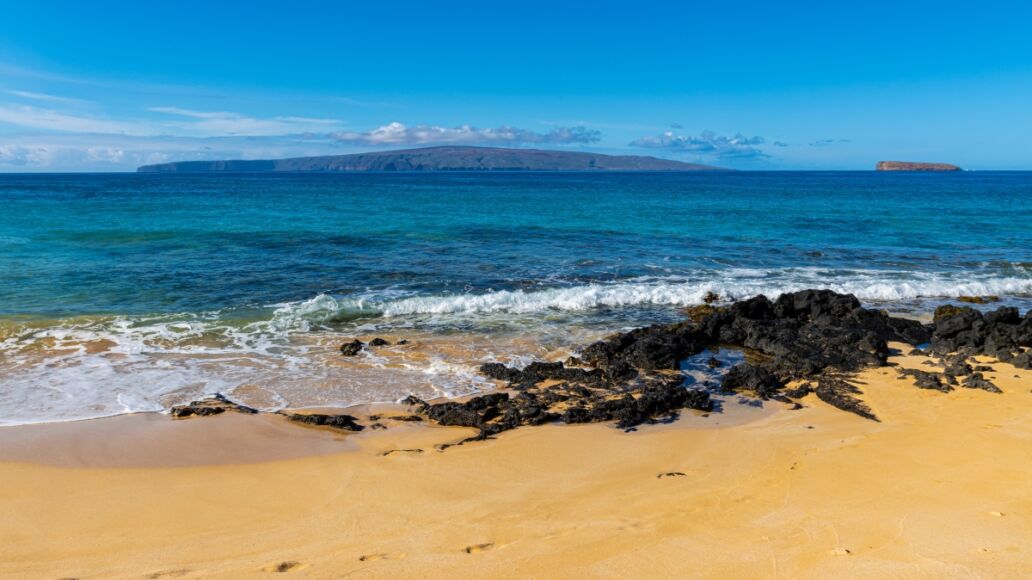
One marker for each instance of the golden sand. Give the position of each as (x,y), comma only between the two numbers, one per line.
(940,488)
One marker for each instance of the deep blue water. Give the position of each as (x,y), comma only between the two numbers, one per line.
(75,244)
(124,293)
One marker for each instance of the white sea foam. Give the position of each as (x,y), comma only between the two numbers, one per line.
(868,285)
(81,368)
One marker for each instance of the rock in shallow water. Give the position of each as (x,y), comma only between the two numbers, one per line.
(752,378)
(351,348)
(214,405)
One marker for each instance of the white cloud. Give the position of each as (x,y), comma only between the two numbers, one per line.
(20,156)
(399,134)
(706,143)
(101,152)
(105,154)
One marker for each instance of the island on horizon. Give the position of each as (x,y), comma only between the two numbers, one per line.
(914,166)
(443,158)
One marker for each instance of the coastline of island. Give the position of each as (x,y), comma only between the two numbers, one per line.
(449,158)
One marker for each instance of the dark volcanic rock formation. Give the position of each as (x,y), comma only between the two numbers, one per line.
(497,412)
(802,333)
(633,379)
(927,380)
(914,166)
(813,334)
(1002,333)
(345,422)
(817,336)
(448,158)
(352,347)
(840,393)
(214,405)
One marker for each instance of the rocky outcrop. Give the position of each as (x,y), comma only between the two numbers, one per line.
(801,333)
(355,346)
(816,338)
(343,422)
(213,405)
(352,347)
(914,166)
(629,407)
(1002,333)
(813,335)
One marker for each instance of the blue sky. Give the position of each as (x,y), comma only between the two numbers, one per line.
(107,86)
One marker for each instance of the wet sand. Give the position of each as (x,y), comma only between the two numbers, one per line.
(939,488)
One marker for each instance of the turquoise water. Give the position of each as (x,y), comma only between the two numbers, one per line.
(194,283)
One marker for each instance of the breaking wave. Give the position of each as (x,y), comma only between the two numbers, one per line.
(285,354)
(875,286)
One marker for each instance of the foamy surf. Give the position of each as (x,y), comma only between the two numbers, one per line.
(285,355)
(876,286)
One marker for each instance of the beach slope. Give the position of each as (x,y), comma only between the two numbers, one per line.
(937,489)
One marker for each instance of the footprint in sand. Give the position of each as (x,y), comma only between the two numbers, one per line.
(996,514)
(670,474)
(840,552)
(169,573)
(381,556)
(392,451)
(475,548)
(288,566)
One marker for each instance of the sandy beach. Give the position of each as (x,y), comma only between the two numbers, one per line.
(937,489)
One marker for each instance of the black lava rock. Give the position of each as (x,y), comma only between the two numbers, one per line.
(978,381)
(926,380)
(351,348)
(841,394)
(344,422)
(214,405)
(751,378)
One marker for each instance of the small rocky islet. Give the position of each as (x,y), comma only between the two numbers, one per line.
(813,340)
(914,166)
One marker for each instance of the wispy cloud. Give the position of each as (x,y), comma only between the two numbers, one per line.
(827,142)
(706,143)
(42,97)
(109,152)
(399,134)
(52,120)
(229,123)
(186,122)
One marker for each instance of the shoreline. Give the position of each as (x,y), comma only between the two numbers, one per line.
(804,437)
(805,493)
(158,440)
(419,347)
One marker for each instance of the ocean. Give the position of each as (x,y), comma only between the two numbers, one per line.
(133,292)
